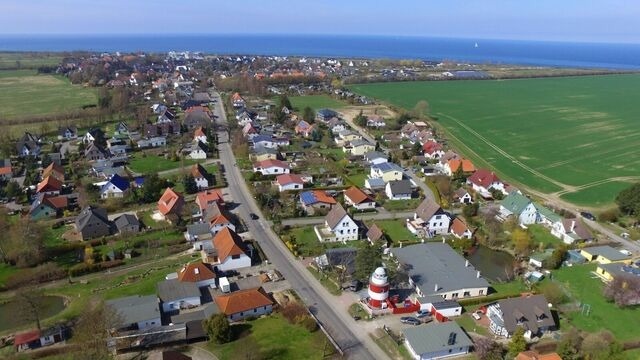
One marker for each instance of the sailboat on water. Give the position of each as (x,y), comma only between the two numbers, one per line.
(476,45)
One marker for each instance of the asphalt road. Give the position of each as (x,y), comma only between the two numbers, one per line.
(355,342)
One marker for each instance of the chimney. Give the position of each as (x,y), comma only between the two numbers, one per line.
(478,274)
(466,263)
(436,288)
(573,225)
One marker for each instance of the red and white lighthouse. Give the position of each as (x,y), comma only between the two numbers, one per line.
(378,289)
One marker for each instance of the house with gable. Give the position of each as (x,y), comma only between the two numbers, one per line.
(6,172)
(454,165)
(520,206)
(55,170)
(242,304)
(67,133)
(237,101)
(357,198)
(170,205)
(49,185)
(437,340)
(47,206)
(314,200)
(429,220)
(198,273)
(175,295)
(571,230)
(196,150)
(324,115)
(462,196)
(271,167)
(208,197)
(93,222)
(262,154)
(375,121)
(95,152)
(249,131)
(127,224)
(115,187)
(200,135)
(226,251)
(197,234)
(375,158)
(432,149)
(28,145)
(217,218)
(399,190)
(304,128)
(137,312)
(336,125)
(201,176)
(531,313)
(460,229)
(357,147)
(387,171)
(338,226)
(483,181)
(287,182)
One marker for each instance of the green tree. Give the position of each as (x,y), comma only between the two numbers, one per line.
(517,344)
(284,102)
(469,211)
(93,330)
(569,346)
(12,189)
(218,328)
(368,259)
(308,115)
(521,241)
(190,185)
(152,188)
(360,119)
(628,200)
(556,258)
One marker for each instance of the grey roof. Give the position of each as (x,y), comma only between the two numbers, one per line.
(341,257)
(375,182)
(387,166)
(335,215)
(204,313)
(400,187)
(359,142)
(371,155)
(133,309)
(532,312)
(172,290)
(434,264)
(94,217)
(427,208)
(125,220)
(198,228)
(620,269)
(434,337)
(606,251)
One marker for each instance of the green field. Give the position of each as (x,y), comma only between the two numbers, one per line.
(315,102)
(586,288)
(575,137)
(153,164)
(25,93)
(9,60)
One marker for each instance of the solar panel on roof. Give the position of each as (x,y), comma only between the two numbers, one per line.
(308,197)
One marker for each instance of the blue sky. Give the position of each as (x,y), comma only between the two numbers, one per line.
(572,20)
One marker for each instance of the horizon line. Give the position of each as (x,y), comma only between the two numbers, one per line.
(222,34)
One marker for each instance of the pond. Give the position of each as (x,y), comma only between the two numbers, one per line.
(11,312)
(494,265)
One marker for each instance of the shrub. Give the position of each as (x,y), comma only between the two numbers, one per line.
(309,323)
(39,274)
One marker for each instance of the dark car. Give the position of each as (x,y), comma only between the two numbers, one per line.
(588,215)
(253,216)
(410,320)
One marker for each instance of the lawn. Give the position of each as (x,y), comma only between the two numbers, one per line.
(273,337)
(394,229)
(6,271)
(548,134)
(153,163)
(401,205)
(316,102)
(587,289)
(10,60)
(308,244)
(541,234)
(25,93)
(469,325)
(356,179)
(390,346)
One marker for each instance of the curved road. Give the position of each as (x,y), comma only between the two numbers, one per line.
(352,339)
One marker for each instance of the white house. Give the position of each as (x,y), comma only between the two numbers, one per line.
(375,158)
(175,295)
(116,187)
(398,190)
(195,150)
(242,304)
(463,196)
(198,273)
(201,176)
(200,135)
(141,312)
(460,229)
(338,226)
(264,141)
(358,199)
(271,167)
(429,220)
(570,230)
(519,206)
(288,182)
(227,251)
(484,180)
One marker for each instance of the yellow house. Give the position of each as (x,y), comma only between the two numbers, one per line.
(358,147)
(611,270)
(387,171)
(603,254)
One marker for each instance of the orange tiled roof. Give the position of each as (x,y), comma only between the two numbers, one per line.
(205,198)
(243,300)
(458,227)
(195,272)
(288,179)
(199,132)
(50,183)
(467,165)
(356,195)
(265,164)
(168,201)
(228,243)
(5,170)
(323,197)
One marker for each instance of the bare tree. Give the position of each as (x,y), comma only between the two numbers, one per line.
(30,304)
(94,328)
(624,290)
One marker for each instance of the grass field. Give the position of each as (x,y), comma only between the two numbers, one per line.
(24,93)
(395,230)
(272,338)
(587,289)
(315,102)
(10,60)
(152,163)
(575,137)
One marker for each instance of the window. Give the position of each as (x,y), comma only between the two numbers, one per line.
(466,293)
(480,292)
(255,310)
(454,295)
(235,257)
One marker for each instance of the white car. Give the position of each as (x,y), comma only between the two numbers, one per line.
(476,315)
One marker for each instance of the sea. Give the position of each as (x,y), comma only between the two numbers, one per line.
(479,51)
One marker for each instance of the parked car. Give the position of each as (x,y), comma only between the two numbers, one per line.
(422,313)
(253,216)
(587,215)
(410,320)
(476,315)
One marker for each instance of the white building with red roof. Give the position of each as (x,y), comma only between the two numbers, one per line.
(484,180)
(287,182)
(271,167)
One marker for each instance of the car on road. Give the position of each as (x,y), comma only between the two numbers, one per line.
(410,320)
(253,216)
(587,215)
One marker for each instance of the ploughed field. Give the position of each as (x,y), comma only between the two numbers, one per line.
(576,138)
